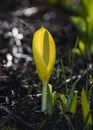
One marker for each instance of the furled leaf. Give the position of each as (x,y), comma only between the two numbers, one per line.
(76,51)
(63,100)
(51,100)
(71,95)
(85,109)
(54,98)
(82,47)
(74,103)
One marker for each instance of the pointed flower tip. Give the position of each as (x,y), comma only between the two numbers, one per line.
(44,53)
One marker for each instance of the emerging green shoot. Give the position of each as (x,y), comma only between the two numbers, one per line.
(86,110)
(69,104)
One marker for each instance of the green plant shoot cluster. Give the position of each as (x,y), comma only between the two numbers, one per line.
(84,24)
(68,102)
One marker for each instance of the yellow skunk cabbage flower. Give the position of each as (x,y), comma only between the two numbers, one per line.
(44,53)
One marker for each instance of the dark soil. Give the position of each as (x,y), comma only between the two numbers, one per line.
(20,87)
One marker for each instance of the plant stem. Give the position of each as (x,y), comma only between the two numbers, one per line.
(64,77)
(44,97)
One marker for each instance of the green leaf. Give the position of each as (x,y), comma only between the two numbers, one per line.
(54,98)
(87,6)
(79,23)
(85,109)
(82,47)
(71,95)
(63,100)
(76,51)
(51,100)
(74,103)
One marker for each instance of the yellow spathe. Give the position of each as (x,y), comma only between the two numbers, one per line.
(44,53)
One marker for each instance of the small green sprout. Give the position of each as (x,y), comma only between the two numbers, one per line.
(87,116)
(69,104)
